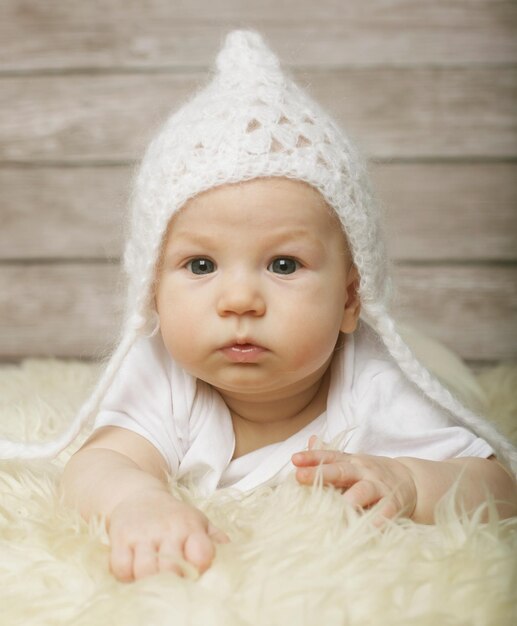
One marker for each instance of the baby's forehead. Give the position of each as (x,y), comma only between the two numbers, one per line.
(273,210)
(267,202)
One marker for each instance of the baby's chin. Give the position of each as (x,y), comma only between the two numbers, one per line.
(248,382)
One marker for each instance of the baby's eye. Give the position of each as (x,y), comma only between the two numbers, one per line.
(201,266)
(283,265)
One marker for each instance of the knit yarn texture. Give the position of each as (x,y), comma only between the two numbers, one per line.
(250,121)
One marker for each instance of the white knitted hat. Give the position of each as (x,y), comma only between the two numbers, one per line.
(253,121)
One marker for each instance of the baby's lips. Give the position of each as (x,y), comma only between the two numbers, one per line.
(243,342)
(244,353)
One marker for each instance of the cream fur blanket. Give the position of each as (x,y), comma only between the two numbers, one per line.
(298,555)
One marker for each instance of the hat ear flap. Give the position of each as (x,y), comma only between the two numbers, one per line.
(35,450)
(385,326)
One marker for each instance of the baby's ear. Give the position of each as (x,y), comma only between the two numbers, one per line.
(353,302)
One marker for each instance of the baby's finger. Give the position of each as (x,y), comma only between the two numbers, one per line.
(314,442)
(170,557)
(121,562)
(385,510)
(145,561)
(216,534)
(199,550)
(317,457)
(341,475)
(362,494)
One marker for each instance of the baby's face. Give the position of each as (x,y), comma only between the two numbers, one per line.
(254,285)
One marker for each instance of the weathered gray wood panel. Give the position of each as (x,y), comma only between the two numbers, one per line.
(74,309)
(164,33)
(433,211)
(449,210)
(58,310)
(472,309)
(396,113)
(62,212)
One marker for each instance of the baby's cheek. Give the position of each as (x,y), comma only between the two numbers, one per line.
(179,337)
(315,326)
(310,348)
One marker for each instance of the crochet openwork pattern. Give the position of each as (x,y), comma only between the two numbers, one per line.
(251,121)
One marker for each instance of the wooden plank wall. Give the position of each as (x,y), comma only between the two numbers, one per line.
(426,88)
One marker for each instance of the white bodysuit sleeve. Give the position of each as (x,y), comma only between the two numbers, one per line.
(394,418)
(140,399)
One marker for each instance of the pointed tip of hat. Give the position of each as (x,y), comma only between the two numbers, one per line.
(244,38)
(244,50)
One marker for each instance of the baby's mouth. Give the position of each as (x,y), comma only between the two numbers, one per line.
(243,347)
(243,352)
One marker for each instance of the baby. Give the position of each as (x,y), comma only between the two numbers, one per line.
(257,324)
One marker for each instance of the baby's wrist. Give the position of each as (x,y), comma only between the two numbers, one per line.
(409,485)
(147,498)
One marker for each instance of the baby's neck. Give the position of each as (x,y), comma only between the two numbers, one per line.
(258,424)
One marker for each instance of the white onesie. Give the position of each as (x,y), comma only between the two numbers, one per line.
(370,400)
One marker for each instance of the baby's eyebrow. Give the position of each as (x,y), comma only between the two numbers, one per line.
(290,240)
(190,236)
(295,235)
(277,236)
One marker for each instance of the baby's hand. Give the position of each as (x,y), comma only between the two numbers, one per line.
(365,479)
(153,532)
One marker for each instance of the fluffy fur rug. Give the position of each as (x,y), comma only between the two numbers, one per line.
(298,555)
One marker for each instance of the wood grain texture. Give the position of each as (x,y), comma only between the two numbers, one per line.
(62,310)
(457,212)
(472,309)
(433,211)
(74,309)
(328,33)
(62,212)
(397,113)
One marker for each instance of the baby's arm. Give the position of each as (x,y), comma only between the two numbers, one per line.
(409,486)
(477,479)
(122,476)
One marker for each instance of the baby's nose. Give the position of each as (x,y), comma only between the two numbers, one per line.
(241,296)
